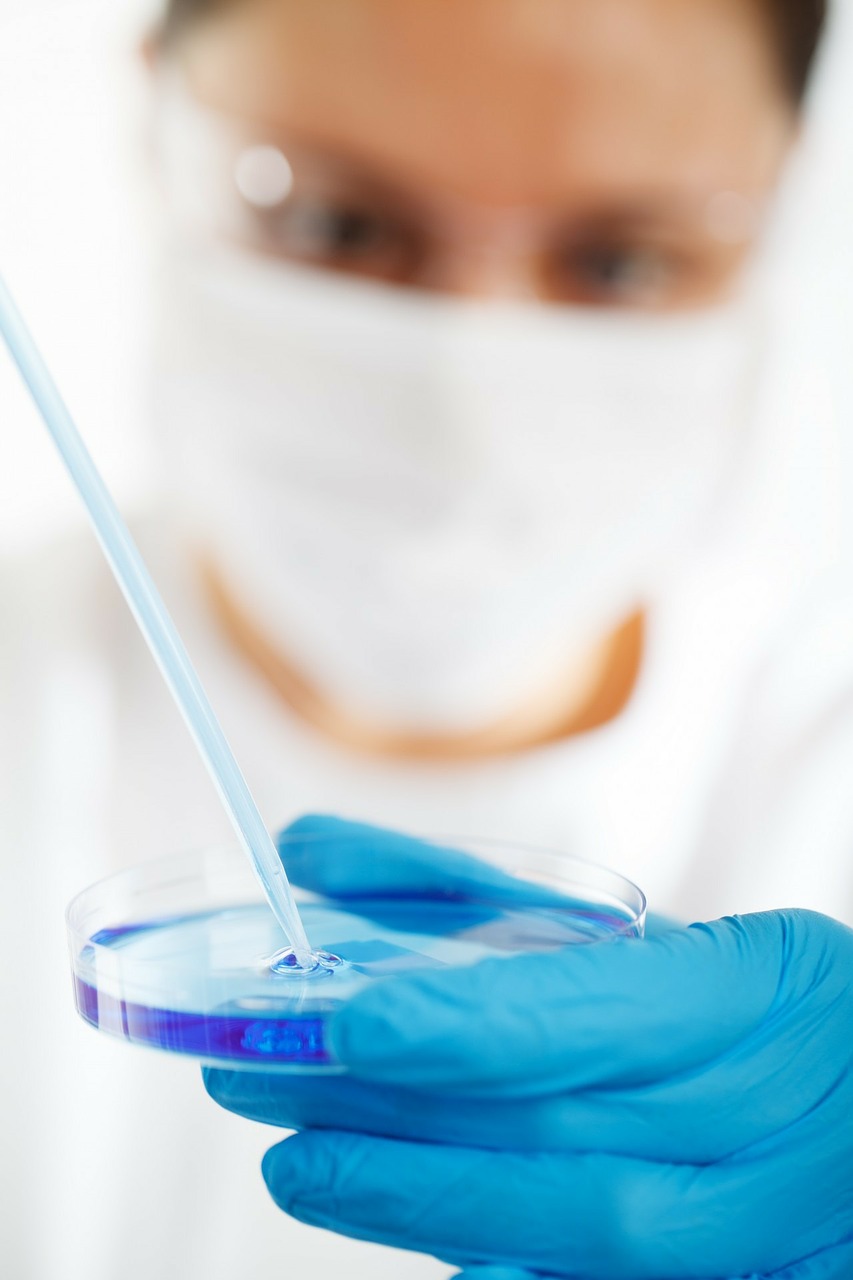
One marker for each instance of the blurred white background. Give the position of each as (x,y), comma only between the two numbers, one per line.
(76,221)
(74,246)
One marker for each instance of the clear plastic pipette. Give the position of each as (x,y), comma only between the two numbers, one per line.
(156,625)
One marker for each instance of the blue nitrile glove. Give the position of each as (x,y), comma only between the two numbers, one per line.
(678,1107)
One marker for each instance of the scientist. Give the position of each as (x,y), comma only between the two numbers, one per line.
(506,503)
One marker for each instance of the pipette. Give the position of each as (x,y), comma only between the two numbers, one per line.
(157,627)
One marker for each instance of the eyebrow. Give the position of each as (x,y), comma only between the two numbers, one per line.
(616,212)
(362,173)
(636,215)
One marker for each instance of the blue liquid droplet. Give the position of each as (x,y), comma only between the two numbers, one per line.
(290,965)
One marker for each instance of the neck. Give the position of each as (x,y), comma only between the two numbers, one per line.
(594,689)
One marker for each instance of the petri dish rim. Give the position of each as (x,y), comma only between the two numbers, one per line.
(127,985)
(535,864)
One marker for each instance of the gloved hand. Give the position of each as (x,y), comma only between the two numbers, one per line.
(677,1107)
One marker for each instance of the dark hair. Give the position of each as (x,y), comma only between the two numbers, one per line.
(797,26)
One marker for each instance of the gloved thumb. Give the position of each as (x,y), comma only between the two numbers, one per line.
(621,1013)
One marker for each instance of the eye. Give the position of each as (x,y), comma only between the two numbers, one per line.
(328,230)
(341,234)
(616,275)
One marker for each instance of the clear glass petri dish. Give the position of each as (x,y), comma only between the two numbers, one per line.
(177,954)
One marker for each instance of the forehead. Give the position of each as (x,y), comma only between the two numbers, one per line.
(509,101)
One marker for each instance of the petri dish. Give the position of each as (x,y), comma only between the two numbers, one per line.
(178,954)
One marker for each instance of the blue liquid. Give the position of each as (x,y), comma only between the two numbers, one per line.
(202,985)
(213,1037)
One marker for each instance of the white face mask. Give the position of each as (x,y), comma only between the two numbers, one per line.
(425,504)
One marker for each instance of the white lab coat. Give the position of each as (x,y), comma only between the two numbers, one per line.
(725,786)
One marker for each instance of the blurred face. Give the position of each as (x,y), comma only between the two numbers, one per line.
(606,153)
(428,524)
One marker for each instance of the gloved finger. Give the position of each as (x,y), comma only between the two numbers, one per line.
(693,1119)
(626,1013)
(593,1216)
(346,1104)
(352,860)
